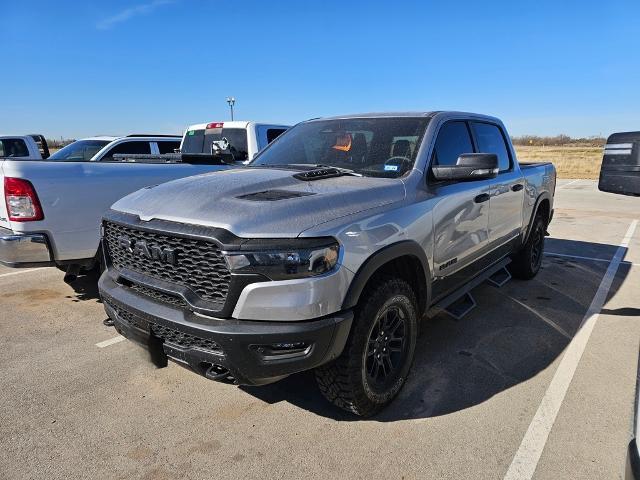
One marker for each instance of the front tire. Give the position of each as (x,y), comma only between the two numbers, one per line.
(527,262)
(379,352)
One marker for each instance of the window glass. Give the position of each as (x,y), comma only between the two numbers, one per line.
(453,140)
(193,142)
(360,144)
(166,146)
(237,138)
(131,148)
(273,133)
(490,140)
(13,147)
(80,151)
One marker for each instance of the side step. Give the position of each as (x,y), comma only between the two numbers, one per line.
(499,278)
(461,302)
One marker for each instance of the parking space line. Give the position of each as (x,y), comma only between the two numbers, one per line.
(549,322)
(526,459)
(23,271)
(569,183)
(593,259)
(111,341)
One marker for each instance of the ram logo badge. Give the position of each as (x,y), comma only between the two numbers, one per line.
(151,252)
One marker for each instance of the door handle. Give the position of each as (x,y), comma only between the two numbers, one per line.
(517,187)
(483,197)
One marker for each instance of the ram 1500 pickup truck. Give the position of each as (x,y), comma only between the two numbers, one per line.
(52,209)
(325,251)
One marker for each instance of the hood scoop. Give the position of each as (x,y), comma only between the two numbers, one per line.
(273,195)
(319,174)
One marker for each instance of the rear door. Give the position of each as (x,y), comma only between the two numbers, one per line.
(461,213)
(507,189)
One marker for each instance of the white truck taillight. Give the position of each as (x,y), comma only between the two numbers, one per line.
(22,201)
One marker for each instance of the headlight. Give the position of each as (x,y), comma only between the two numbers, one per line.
(280,264)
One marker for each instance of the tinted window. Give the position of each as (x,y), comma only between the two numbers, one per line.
(13,147)
(273,133)
(453,140)
(131,148)
(237,138)
(167,146)
(193,142)
(80,151)
(490,140)
(360,144)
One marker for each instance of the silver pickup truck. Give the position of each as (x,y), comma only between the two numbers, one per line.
(325,251)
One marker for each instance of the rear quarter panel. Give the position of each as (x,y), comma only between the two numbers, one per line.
(540,183)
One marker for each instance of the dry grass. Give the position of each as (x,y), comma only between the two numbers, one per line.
(570,161)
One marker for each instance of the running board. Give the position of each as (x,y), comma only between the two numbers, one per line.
(461,302)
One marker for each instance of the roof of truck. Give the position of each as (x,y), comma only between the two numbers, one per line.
(231,124)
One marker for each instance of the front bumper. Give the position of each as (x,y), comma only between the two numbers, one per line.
(242,351)
(24,250)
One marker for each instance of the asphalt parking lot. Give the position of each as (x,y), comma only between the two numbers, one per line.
(538,380)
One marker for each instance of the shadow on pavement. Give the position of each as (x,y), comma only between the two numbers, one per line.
(515,332)
(85,287)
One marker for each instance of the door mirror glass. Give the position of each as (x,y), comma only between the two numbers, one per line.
(470,166)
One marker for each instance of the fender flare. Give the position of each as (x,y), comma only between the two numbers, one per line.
(380,258)
(534,212)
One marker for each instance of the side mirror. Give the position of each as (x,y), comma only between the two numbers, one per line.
(470,166)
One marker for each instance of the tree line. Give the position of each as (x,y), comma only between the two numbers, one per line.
(559,140)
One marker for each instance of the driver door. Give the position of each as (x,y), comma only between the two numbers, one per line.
(460,214)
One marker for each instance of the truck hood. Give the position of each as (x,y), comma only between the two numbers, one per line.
(260,202)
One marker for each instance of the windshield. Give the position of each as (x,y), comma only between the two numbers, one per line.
(380,147)
(80,151)
(199,141)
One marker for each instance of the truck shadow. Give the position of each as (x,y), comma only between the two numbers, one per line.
(85,287)
(515,332)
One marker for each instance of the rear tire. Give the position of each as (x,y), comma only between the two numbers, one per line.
(527,261)
(374,364)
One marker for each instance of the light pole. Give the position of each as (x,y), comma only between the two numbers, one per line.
(231,101)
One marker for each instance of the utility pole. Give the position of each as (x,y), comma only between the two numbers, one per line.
(231,101)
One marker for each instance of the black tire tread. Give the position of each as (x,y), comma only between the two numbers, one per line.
(339,380)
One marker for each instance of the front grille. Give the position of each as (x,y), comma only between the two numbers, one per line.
(158,295)
(199,266)
(184,340)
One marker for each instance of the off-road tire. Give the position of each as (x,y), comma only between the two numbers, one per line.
(347,382)
(527,261)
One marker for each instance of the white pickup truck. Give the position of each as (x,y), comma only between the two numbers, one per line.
(52,209)
(24,147)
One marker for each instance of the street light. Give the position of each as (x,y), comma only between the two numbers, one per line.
(231,101)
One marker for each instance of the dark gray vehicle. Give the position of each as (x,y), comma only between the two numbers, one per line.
(326,251)
(620,171)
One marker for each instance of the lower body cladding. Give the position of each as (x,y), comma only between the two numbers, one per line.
(238,351)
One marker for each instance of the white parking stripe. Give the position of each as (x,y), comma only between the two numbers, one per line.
(526,459)
(593,259)
(569,183)
(111,341)
(20,272)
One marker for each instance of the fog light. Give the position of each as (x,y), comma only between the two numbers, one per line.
(282,350)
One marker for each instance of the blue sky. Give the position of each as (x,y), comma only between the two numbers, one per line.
(74,69)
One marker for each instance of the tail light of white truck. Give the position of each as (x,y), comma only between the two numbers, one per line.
(22,200)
